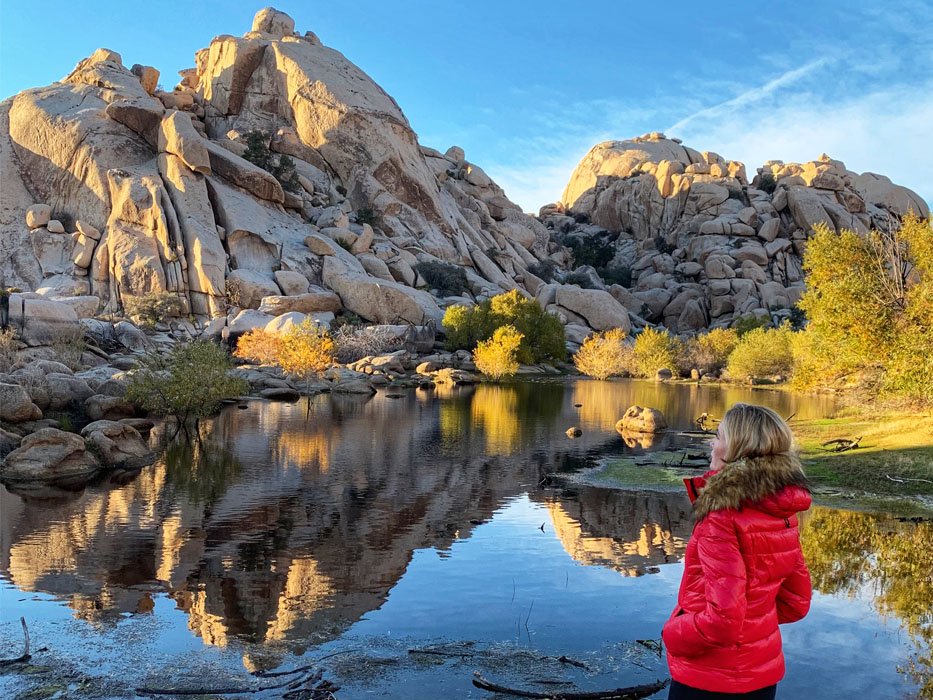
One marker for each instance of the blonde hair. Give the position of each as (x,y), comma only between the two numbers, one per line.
(754,431)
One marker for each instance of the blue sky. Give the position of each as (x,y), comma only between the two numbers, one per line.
(527,88)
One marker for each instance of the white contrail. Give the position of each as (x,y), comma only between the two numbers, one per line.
(754,94)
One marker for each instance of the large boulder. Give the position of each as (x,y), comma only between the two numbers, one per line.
(309,303)
(598,307)
(640,419)
(379,300)
(116,444)
(251,287)
(16,406)
(49,454)
(43,321)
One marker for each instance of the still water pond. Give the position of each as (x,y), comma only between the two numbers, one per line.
(380,528)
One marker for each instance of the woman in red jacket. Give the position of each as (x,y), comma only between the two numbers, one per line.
(744,571)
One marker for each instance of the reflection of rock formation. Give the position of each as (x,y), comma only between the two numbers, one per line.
(285,525)
(628,531)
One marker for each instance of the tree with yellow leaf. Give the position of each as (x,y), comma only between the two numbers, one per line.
(604,355)
(307,350)
(259,345)
(498,356)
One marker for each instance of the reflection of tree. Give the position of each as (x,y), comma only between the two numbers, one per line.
(508,416)
(847,550)
(200,468)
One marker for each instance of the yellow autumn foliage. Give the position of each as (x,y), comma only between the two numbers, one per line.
(259,345)
(498,356)
(604,355)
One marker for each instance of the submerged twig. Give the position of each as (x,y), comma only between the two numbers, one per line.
(25,656)
(630,693)
(902,479)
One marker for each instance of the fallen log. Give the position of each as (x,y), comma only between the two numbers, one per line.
(842,444)
(634,692)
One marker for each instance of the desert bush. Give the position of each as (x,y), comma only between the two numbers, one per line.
(544,270)
(190,382)
(280,166)
(604,355)
(592,251)
(662,246)
(542,334)
(259,345)
(9,344)
(366,215)
(708,352)
(353,343)
(69,345)
(654,350)
(766,183)
(581,279)
(307,350)
(498,356)
(763,352)
(149,309)
(449,280)
(616,274)
(748,323)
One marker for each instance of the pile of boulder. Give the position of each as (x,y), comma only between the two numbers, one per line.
(705,246)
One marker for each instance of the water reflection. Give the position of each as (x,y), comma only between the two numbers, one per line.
(283,524)
(891,560)
(630,532)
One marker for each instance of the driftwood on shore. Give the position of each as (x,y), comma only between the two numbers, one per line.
(633,692)
(25,656)
(842,444)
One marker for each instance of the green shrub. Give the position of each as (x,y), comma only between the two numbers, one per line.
(763,352)
(449,280)
(616,274)
(189,382)
(542,334)
(766,183)
(366,215)
(68,345)
(592,251)
(654,350)
(581,279)
(281,167)
(749,323)
(662,246)
(544,270)
(149,309)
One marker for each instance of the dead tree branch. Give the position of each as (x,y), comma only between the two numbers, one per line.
(25,656)
(634,692)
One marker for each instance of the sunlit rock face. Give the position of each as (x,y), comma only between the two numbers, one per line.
(704,244)
(162,178)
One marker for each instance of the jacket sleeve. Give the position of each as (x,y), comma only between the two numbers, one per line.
(720,623)
(793,598)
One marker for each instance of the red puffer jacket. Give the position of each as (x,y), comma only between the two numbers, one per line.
(744,574)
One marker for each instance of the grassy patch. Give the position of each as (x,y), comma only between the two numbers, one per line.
(892,447)
(625,473)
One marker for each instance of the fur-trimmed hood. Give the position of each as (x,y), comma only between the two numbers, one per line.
(762,481)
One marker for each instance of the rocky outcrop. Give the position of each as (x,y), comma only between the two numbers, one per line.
(705,246)
(130,191)
(640,419)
